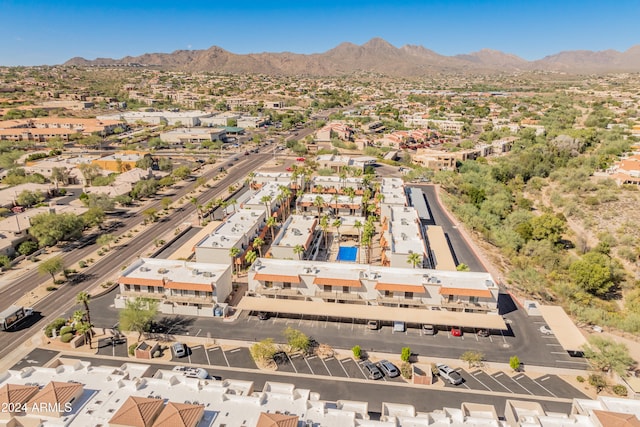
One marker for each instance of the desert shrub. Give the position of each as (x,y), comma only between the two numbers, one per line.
(580,379)
(66,337)
(82,263)
(619,390)
(132,349)
(66,330)
(54,326)
(52,288)
(405,370)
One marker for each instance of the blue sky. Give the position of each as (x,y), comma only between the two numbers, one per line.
(37,32)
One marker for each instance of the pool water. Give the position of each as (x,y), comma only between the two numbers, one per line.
(347,253)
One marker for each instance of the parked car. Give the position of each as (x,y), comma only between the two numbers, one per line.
(428,329)
(449,374)
(192,372)
(263,315)
(483,333)
(546,330)
(398,326)
(389,368)
(179,349)
(373,324)
(300,159)
(372,371)
(456,332)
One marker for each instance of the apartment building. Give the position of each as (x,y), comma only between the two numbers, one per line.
(627,171)
(298,231)
(440,256)
(260,178)
(70,164)
(393,194)
(401,237)
(180,287)
(185,118)
(120,162)
(252,122)
(335,184)
(337,204)
(219,120)
(373,292)
(337,162)
(334,130)
(237,231)
(270,191)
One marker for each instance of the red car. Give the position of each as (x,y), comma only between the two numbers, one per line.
(289,169)
(300,159)
(456,332)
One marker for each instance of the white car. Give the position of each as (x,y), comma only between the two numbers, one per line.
(192,372)
(449,374)
(546,330)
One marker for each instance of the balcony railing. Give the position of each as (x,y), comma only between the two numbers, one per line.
(401,301)
(134,294)
(276,291)
(338,295)
(466,305)
(191,299)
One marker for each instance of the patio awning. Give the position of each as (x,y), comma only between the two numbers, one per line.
(369,312)
(330,281)
(465,292)
(276,278)
(395,287)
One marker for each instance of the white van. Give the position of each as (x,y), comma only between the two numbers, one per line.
(398,326)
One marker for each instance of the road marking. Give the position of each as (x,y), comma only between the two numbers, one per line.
(502,385)
(523,387)
(546,389)
(554,345)
(291,362)
(198,333)
(572,361)
(366,377)
(225,359)
(325,365)
(206,353)
(342,366)
(503,338)
(310,368)
(558,352)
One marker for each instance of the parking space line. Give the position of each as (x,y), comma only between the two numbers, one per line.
(490,339)
(325,366)
(558,352)
(360,367)
(483,384)
(307,362)
(503,338)
(572,361)
(464,382)
(342,366)
(546,389)
(496,380)
(206,353)
(554,345)
(225,357)
(291,362)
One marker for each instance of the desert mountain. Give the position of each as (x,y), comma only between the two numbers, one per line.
(378,56)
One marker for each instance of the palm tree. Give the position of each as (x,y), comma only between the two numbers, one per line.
(318,189)
(271,223)
(84,298)
(266,199)
(285,195)
(414,259)
(337,223)
(318,202)
(84,328)
(298,250)
(257,244)
(324,225)
(358,226)
(233,253)
(250,257)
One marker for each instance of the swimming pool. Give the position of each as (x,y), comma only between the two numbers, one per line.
(347,253)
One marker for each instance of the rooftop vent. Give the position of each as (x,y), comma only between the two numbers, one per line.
(162,270)
(145,269)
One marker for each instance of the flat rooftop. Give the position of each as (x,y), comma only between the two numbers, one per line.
(405,232)
(271,189)
(393,191)
(330,199)
(233,229)
(297,230)
(175,271)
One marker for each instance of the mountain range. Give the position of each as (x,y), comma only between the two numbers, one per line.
(377,56)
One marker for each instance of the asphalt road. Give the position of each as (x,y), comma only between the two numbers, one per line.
(57,302)
(373,392)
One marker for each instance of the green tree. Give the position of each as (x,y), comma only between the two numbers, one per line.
(263,351)
(84,328)
(598,381)
(548,226)
(357,352)
(105,240)
(593,273)
(297,340)
(405,354)
(50,228)
(233,254)
(99,200)
(27,248)
(146,162)
(473,358)
(138,315)
(337,223)
(606,355)
(5,262)
(182,172)
(298,250)
(250,257)
(414,259)
(257,244)
(93,217)
(462,267)
(144,188)
(89,171)
(29,198)
(51,266)
(514,363)
(84,298)
(271,223)
(150,215)
(166,203)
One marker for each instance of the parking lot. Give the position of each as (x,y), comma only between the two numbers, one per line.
(518,383)
(216,356)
